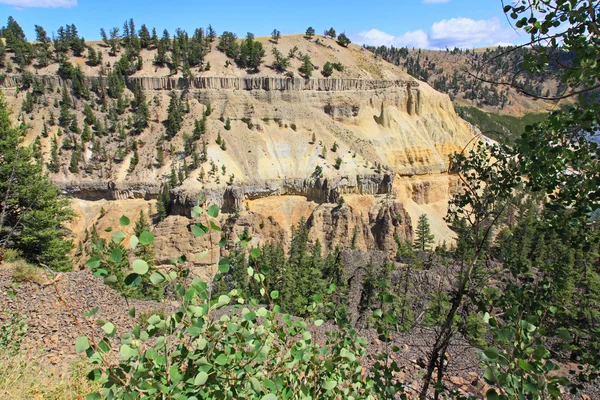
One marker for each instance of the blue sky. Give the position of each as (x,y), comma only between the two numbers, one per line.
(413,23)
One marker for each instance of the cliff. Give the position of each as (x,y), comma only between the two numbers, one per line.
(371,135)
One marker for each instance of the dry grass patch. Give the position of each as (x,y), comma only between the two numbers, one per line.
(24,272)
(24,377)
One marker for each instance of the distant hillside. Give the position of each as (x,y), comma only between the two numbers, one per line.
(451,72)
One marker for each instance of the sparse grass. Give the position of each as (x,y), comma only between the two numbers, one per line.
(24,272)
(24,377)
(11,255)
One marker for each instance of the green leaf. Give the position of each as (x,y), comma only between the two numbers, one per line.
(133,280)
(224,265)
(270,396)
(146,238)
(127,352)
(132,312)
(491,353)
(81,344)
(116,256)
(133,241)
(110,279)
(157,278)
(255,253)
(93,262)
(489,376)
(201,378)
(274,294)
(347,355)
(492,395)
(109,329)
(213,210)
(540,352)
(118,237)
(221,359)
(195,331)
(93,396)
(140,267)
(91,313)
(196,211)
(524,365)
(329,385)
(124,221)
(199,230)
(215,227)
(223,300)
(319,322)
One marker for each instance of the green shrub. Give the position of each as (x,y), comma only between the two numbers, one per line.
(232,346)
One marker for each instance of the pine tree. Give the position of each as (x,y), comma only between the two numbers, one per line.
(251,53)
(307,67)
(275,36)
(160,156)
(424,239)
(54,164)
(173,177)
(327,69)
(32,213)
(174,115)
(310,32)
(74,163)
(344,40)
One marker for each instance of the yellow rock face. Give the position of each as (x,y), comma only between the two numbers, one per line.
(381,140)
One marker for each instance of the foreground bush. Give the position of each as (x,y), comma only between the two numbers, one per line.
(232,346)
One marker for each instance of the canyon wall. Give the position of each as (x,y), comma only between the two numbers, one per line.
(382,145)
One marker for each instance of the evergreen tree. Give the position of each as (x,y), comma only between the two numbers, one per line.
(330,33)
(160,156)
(343,40)
(142,224)
(145,39)
(54,164)
(281,63)
(307,67)
(228,44)
(174,115)
(211,34)
(251,53)
(42,46)
(424,238)
(327,70)
(310,32)
(164,201)
(74,163)
(32,213)
(275,36)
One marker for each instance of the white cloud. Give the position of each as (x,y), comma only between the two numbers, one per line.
(436,1)
(454,32)
(40,3)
